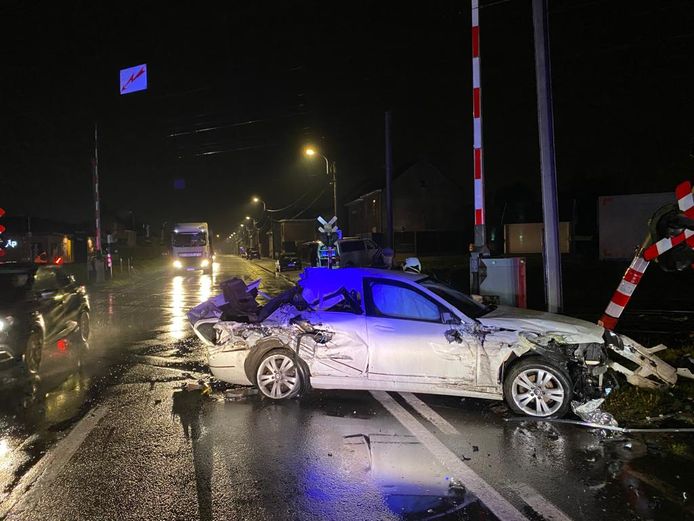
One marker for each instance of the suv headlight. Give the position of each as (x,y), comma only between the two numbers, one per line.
(177,264)
(5,323)
(205,263)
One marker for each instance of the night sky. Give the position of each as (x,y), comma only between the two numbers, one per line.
(235,91)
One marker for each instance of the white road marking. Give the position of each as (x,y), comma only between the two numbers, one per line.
(428,413)
(529,495)
(494,501)
(43,473)
(538,503)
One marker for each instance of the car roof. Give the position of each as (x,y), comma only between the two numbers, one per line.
(349,274)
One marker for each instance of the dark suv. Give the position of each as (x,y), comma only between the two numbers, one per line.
(44,322)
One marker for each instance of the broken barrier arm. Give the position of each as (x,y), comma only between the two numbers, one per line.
(648,251)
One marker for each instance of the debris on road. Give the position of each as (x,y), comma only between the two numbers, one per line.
(590,412)
(241,393)
(625,430)
(200,385)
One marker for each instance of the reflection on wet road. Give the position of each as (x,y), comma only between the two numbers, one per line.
(163,453)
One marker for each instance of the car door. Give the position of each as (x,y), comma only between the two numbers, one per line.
(371,249)
(409,340)
(345,353)
(72,303)
(50,300)
(56,355)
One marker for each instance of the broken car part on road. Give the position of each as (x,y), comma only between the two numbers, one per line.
(614,428)
(370,329)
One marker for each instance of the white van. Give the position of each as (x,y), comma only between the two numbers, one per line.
(355,252)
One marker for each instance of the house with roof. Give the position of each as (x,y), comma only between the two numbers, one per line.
(429,212)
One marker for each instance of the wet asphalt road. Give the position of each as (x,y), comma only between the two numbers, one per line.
(118,439)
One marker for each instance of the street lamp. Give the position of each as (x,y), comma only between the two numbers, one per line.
(257,200)
(311,152)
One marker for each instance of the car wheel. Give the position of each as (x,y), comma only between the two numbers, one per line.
(84,326)
(278,376)
(534,387)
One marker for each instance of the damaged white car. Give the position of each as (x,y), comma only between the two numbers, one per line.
(371,329)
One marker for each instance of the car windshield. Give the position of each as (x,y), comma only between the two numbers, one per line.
(14,284)
(462,302)
(183,240)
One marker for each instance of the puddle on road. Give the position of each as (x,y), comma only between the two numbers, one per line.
(616,474)
(412,483)
(27,429)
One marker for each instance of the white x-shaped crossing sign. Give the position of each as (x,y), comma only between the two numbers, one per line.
(327,225)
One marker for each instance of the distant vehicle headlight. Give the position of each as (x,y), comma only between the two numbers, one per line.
(205,263)
(177,264)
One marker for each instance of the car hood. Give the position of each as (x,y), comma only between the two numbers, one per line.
(576,331)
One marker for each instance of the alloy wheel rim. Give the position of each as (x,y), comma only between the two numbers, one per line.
(538,392)
(277,377)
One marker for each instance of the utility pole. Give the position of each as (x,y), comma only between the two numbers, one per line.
(389,184)
(97,209)
(334,180)
(552,255)
(479,248)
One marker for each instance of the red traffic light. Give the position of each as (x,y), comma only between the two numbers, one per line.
(2,229)
(2,212)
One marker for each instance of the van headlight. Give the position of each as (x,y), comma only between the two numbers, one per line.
(205,263)
(177,264)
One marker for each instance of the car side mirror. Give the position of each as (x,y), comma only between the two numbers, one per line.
(449,318)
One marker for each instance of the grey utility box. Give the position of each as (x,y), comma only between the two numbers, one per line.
(503,281)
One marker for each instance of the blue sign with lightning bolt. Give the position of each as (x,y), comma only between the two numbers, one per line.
(133,79)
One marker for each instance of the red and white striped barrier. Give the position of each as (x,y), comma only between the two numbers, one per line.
(634,273)
(477,117)
(685,198)
(668,243)
(625,290)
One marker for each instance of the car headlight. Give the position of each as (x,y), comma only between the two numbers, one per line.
(5,323)
(205,263)
(177,264)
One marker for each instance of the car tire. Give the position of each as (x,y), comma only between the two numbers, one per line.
(31,359)
(31,362)
(537,388)
(278,376)
(84,322)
